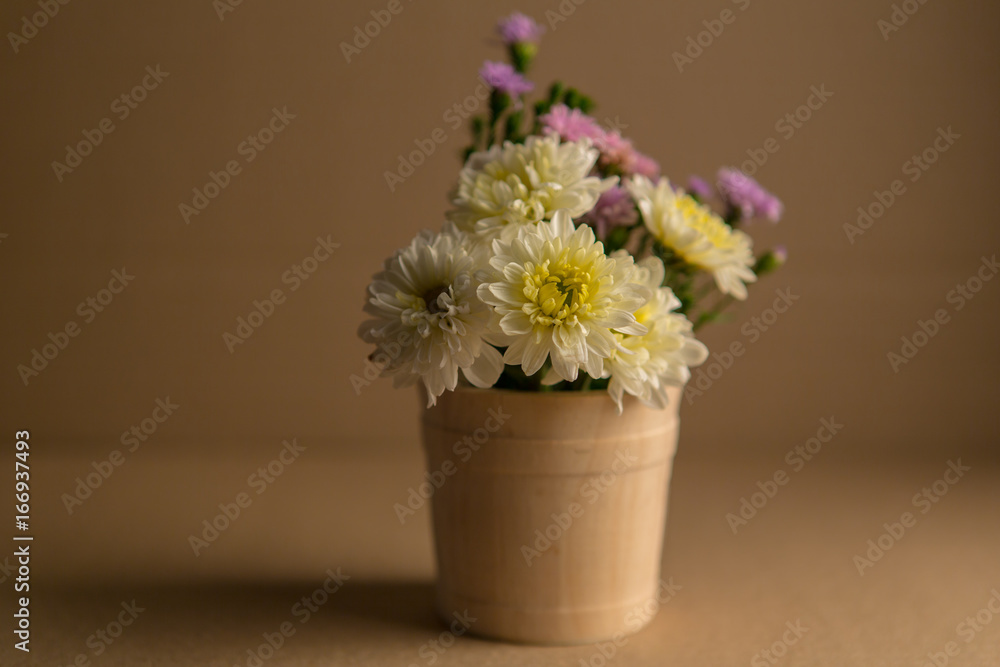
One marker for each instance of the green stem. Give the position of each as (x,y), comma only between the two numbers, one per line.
(705,291)
(498,103)
(711,314)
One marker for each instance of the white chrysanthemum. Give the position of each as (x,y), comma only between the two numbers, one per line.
(509,186)
(696,234)
(559,296)
(428,321)
(645,365)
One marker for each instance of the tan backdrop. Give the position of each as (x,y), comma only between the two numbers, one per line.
(201,85)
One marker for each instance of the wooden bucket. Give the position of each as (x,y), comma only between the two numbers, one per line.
(549,511)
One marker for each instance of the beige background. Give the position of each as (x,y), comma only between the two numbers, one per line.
(324,175)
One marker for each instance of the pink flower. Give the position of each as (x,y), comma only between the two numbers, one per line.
(571,124)
(619,152)
(616,151)
(645,166)
(614,148)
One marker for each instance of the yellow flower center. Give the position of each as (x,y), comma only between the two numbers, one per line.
(706,222)
(523,211)
(645,312)
(558,294)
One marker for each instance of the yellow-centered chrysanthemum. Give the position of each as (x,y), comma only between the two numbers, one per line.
(647,364)
(509,186)
(696,234)
(428,322)
(558,296)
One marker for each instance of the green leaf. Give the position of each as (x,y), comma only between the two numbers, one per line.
(555,92)
(513,126)
(478,126)
(521,55)
(572,98)
(617,238)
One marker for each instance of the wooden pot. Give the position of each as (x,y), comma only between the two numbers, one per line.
(549,511)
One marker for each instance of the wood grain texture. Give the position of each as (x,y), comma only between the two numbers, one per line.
(549,529)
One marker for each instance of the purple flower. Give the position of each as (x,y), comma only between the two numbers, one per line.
(518,28)
(701,187)
(614,208)
(780,254)
(744,193)
(504,78)
(571,124)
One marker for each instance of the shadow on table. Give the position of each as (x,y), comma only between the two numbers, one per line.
(407,606)
(401,605)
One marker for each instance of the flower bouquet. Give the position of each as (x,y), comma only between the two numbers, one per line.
(567,267)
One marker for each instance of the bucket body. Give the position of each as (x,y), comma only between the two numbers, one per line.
(549,511)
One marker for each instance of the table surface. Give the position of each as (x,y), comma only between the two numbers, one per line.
(791,565)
